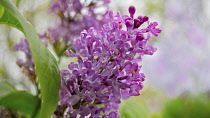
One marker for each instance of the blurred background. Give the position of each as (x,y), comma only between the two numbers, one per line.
(177,80)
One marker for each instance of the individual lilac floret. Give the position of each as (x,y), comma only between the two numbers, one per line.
(74,17)
(107,69)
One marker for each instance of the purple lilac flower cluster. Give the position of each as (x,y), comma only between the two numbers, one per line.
(107,69)
(75,16)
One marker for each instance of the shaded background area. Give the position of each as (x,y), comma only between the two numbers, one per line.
(177,75)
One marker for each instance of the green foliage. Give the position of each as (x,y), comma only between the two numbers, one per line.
(156,116)
(1,11)
(9,19)
(45,63)
(5,88)
(192,107)
(17,2)
(154,7)
(59,48)
(134,108)
(22,101)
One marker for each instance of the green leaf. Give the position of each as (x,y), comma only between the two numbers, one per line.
(1,10)
(187,107)
(17,2)
(134,108)
(21,101)
(5,88)
(59,48)
(7,18)
(45,63)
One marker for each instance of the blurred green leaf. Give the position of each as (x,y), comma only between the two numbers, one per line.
(191,107)
(5,88)
(134,108)
(154,7)
(1,11)
(17,2)
(45,63)
(174,109)
(156,116)
(59,48)
(21,101)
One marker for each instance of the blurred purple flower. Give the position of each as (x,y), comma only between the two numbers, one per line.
(183,61)
(74,17)
(27,64)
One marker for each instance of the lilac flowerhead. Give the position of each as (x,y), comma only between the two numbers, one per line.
(107,68)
